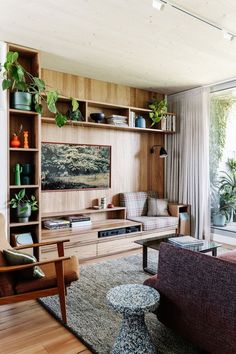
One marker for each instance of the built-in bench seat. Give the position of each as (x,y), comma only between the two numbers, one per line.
(136,204)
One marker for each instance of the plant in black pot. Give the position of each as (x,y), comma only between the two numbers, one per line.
(24,205)
(28,91)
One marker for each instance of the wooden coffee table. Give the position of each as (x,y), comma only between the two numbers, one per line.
(154,243)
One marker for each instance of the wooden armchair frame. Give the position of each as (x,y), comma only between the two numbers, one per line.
(60,289)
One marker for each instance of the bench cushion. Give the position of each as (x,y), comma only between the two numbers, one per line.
(156,222)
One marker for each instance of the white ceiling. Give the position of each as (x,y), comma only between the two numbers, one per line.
(127,41)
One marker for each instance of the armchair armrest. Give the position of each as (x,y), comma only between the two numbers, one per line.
(31,265)
(59,243)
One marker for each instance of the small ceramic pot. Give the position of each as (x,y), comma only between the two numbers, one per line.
(23,212)
(140,122)
(21,100)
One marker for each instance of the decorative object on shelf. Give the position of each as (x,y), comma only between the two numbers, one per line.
(159,108)
(28,90)
(21,100)
(26,175)
(75,115)
(26,139)
(97,117)
(140,122)
(75,166)
(24,205)
(163,152)
(15,141)
(18,171)
(103,202)
(110,206)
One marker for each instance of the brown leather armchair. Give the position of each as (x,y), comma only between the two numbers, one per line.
(59,273)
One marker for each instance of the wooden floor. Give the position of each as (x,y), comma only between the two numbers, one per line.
(27,328)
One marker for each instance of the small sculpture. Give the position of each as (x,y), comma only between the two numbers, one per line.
(26,141)
(17,170)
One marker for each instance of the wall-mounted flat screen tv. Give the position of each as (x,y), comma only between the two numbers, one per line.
(75,166)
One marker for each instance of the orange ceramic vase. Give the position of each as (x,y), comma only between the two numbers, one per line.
(15,141)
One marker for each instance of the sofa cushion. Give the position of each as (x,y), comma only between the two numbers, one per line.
(136,202)
(157,207)
(6,280)
(71,273)
(14,257)
(156,222)
(229,256)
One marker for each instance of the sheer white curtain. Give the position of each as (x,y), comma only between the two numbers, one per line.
(187,165)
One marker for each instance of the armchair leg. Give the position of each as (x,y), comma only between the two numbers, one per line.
(61,289)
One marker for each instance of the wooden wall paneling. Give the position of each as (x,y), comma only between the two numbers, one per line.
(97,90)
(129,165)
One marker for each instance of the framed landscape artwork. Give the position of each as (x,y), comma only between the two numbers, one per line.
(72,166)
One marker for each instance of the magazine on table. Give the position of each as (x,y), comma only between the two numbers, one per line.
(185,241)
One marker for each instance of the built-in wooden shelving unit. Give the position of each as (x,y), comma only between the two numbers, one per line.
(87,107)
(30,121)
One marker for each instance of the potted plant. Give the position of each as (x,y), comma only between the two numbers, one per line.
(24,205)
(159,108)
(227,198)
(28,91)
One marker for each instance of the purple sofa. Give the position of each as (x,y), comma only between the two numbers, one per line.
(198,297)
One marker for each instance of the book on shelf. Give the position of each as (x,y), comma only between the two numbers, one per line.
(185,241)
(53,224)
(78,218)
(132,118)
(81,223)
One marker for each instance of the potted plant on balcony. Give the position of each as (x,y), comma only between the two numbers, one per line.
(28,91)
(227,198)
(159,108)
(24,205)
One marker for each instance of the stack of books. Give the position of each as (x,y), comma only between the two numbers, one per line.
(168,122)
(80,221)
(118,120)
(185,241)
(54,224)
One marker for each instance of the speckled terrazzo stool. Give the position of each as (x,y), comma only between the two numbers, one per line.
(132,301)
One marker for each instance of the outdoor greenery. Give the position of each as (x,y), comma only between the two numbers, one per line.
(16,78)
(21,199)
(67,166)
(220,106)
(159,108)
(227,191)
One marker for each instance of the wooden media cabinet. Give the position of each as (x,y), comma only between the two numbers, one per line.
(90,242)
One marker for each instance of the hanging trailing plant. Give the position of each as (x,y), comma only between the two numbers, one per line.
(17,79)
(159,108)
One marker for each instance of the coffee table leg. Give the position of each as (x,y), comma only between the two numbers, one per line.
(144,257)
(214,252)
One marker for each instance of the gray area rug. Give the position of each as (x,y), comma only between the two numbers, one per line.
(92,321)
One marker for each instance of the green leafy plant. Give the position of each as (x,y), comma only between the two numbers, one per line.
(21,199)
(16,78)
(227,190)
(231,163)
(159,108)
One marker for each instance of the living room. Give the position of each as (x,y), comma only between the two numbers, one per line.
(118,192)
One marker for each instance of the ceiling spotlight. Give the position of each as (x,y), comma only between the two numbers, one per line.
(158,5)
(228,36)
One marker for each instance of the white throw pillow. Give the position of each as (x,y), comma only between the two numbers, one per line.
(157,207)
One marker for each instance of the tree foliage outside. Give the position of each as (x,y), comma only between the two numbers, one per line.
(67,166)
(220,107)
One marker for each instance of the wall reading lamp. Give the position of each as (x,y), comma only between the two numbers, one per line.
(163,152)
